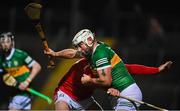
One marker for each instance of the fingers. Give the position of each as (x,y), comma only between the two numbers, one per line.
(113,92)
(169,64)
(49,52)
(85,79)
(23,85)
(165,66)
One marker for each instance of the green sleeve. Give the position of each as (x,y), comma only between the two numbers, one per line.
(101,59)
(25,57)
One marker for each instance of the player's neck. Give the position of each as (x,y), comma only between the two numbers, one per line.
(94,46)
(7,53)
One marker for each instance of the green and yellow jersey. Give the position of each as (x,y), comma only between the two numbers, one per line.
(102,57)
(17,64)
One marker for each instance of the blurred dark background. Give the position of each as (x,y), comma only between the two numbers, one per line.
(143,32)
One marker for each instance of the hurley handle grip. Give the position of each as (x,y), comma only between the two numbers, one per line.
(32,91)
(39,29)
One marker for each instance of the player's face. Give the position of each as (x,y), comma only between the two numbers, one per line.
(84,48)
(6,44)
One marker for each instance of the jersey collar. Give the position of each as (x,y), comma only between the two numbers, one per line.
(11,54)
(94,49)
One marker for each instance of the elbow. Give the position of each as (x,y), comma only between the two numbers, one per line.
(71,56)
(37,66)
(108,82)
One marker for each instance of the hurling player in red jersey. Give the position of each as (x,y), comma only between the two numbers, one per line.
(72,94)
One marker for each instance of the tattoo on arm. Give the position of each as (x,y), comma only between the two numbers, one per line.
(103,73)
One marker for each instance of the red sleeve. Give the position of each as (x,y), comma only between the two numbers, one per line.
(137,69)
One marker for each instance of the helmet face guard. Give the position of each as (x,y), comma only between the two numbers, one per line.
(82,36)
(6,38)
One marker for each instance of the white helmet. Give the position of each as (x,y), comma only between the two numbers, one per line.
(82,36)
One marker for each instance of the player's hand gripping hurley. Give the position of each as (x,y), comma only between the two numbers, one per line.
(33,11)
(11,81)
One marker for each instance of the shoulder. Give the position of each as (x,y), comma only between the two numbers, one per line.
(102,47)
(101,50)
(19,52)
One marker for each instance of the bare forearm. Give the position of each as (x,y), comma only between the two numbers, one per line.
(99,82)
(104,78)
(35,70)
(66,53)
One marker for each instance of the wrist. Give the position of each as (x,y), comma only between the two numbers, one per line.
(26,83)
(159,69)
(28,80)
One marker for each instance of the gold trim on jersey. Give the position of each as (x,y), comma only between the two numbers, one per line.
(115,60)
(18,71)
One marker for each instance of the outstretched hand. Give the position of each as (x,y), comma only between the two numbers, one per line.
(165,66)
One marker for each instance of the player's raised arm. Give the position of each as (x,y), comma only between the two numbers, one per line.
(165,66)
(66,53)
(147,70)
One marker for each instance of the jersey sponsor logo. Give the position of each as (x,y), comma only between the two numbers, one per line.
(16,63)
(101,61)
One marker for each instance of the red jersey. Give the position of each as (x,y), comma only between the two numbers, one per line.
(71,82)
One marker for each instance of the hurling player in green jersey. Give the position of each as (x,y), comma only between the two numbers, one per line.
(18,64)
(106,64)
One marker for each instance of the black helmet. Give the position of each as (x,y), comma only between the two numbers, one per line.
(5,36)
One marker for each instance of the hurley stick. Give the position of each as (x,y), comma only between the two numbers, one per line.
(33,11)
(144,103)
(11,81)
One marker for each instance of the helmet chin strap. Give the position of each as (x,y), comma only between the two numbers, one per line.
(89,51)
(90,45)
